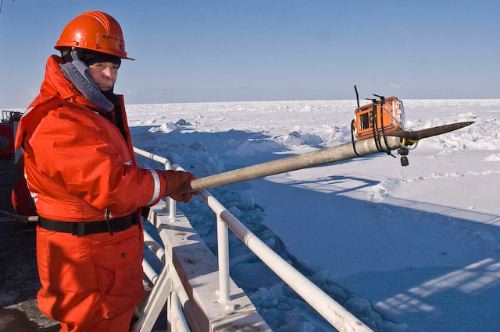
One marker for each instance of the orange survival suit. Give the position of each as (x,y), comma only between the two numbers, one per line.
(81,168)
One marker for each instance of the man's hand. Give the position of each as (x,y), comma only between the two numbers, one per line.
(179,185)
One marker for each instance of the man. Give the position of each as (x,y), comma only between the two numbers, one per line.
(80,167)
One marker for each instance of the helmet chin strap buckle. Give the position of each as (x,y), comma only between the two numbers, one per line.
(74,54)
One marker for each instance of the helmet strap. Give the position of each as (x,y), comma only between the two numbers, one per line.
(78,73)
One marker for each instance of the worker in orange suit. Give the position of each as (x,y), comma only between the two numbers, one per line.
(88,190)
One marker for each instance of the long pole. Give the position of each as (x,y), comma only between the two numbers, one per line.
(310,159)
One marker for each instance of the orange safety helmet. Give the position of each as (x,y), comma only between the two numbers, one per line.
(96,31)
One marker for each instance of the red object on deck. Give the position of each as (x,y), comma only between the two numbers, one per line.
(6,140)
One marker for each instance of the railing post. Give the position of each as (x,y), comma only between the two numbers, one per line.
(172,207)
(178,321)
(223,257)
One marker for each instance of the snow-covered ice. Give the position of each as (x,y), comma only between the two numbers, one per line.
(415,248)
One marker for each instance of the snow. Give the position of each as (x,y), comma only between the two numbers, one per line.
(414,248)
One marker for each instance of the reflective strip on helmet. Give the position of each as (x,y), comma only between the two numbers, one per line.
(156,191)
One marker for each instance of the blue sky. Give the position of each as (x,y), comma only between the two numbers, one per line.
(235,50)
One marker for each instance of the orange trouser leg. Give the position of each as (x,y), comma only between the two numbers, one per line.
(90,283)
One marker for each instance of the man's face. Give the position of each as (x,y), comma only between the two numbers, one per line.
(104,74)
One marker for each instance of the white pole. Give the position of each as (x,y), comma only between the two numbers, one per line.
(154,247)
(178,318)
(155,157)
(223,257)
(172,209)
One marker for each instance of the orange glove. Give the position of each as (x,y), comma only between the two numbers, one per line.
(179,185)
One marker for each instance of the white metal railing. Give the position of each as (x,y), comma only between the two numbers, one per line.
(167,287)
(172,208)
(329,309)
